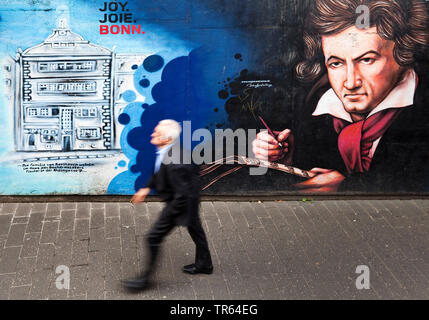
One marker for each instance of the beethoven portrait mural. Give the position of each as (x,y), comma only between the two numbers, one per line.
(329,96)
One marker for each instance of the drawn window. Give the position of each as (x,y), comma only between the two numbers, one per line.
(43,67)
(69,66)
(32,112)
(86,112)
(88,133)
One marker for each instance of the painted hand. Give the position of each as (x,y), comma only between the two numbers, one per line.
(266,147)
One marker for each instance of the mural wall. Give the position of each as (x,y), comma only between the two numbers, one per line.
(342,89)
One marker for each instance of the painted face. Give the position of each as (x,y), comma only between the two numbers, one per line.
(157,136)
(361,68)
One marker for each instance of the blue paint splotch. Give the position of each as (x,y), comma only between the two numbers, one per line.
(144,83)
(124,118)
(129,96)
(153,63)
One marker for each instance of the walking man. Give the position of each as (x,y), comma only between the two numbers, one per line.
(177,184)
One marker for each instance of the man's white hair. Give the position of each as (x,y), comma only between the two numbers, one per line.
(171,129)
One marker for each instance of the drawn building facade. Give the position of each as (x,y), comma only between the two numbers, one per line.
(65,95)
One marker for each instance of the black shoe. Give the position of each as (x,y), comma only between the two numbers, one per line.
(193,269)
(136,284)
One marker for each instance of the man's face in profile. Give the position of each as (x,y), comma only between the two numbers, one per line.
(361,68)
(157,137)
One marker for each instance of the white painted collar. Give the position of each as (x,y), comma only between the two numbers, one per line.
(401,96)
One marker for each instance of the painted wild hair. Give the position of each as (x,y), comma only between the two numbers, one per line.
(403,21)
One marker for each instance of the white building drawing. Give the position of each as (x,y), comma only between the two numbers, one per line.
(66,94)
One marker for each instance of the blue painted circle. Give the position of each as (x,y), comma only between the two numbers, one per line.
(122,163)
(144,83)
(153,63)
(129,96)
(134,66)
(124,118)
(134,169)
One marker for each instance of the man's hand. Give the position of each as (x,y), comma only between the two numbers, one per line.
(140,195)
(265,147)
(326,180)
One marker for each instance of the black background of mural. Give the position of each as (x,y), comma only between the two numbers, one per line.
(276,36)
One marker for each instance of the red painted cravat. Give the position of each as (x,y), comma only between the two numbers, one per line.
(355,140)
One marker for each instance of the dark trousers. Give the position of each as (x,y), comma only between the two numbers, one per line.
(163,226)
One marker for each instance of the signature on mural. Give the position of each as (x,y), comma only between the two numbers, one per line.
(257,83)
(249,102)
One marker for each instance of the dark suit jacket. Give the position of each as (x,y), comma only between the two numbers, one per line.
(400,162)
(178,184)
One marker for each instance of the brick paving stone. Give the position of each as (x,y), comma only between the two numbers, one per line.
(53,210)
(16,235)
(8,208)
(5,222)
(68,205)
(41,283)
(39,207)
(97,240)
(78,280)
(128,237)
(63,248)
(97,218)
(83,210)
(81,229)
(129,263)
(96,276)
(113,229)
(112,269)
(30,244)
(112,210)
(9,259)
(20,293)
(35,224)
(127,215)
(2,243)
(6,281)
(97,205)
(60,293)
(24,271)
(23,210)
(49,231)
(67,220)
(20,220)
(80,252)
(153,209)
(45,256)
(141,209)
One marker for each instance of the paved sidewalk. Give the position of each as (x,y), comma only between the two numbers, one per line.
(268,250)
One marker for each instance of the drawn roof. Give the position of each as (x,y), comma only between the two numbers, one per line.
(63,41)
